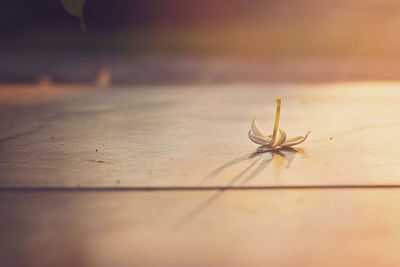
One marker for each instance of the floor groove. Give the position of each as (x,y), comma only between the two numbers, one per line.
(198,188)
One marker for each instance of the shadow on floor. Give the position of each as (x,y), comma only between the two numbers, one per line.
(280,159)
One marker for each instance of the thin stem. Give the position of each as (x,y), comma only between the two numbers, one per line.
(83,25)
(276,125)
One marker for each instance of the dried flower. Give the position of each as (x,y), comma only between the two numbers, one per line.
(277,140)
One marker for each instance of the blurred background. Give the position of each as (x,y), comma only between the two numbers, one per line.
(200,41)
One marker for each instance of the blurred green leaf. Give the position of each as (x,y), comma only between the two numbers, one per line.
(75,8)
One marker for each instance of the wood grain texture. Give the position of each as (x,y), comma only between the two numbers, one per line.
(328,203)
(197,136)
(232,228)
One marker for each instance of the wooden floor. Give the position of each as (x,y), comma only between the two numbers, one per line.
(166,176)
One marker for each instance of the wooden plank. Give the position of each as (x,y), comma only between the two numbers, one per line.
(231,228)
(197,136)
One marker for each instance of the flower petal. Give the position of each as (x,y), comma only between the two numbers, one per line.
(258,139)
(281,138)
(301,140)
(256,129)
(292,139)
